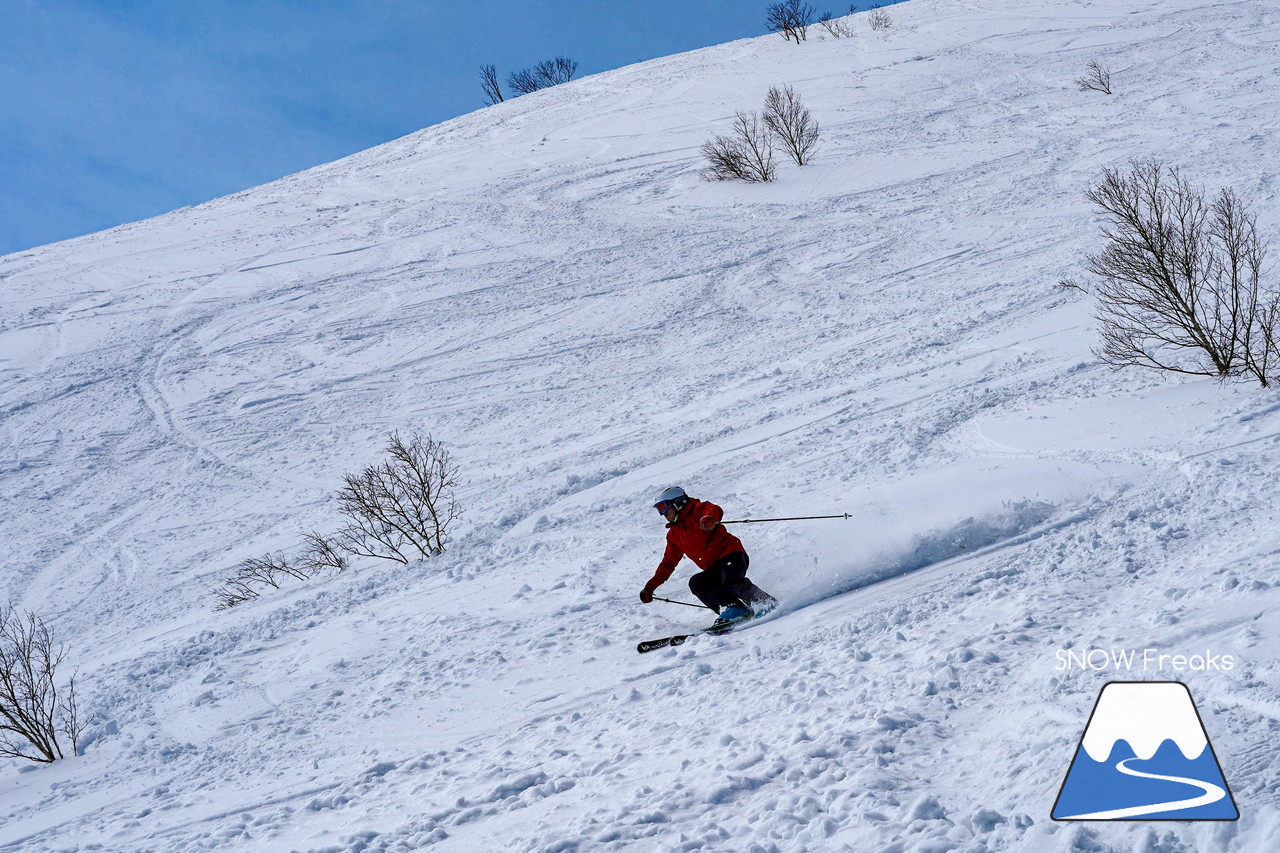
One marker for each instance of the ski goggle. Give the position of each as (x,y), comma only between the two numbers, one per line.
(663,506)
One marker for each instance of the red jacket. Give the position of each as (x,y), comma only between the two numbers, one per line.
(686,538)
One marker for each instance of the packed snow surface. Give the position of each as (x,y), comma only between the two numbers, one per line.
(548,287)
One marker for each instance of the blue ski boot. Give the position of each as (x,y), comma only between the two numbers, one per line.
(730,616)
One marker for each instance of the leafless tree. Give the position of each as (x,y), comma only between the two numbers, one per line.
(879,19)
(402,507)
(489,83)
(776,20)
(1098,79)
(790,18)
(32,712)
(788,119)
(553,72)
(1179,280)
(321,553)
(746,154)
(524,81)
(549,72)
(836,27)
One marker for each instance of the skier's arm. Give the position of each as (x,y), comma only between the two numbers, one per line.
(672,556)
(711,515)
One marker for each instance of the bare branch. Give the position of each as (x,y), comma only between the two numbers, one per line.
(553,72)
(321,553)
(746,155)
(879,18)
(1098,79)
(489,84)
(835,27)
(1179,281)
(234,593)
(403,506)
(791,19)
(524,81)
(725,160)
(788,119)
(70,724)
(32,714)
(549,72)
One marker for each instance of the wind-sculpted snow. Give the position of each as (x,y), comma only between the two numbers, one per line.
(548,288)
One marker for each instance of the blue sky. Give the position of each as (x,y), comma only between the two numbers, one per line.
(113,111)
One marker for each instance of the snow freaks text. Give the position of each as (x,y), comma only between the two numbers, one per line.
(1143,660)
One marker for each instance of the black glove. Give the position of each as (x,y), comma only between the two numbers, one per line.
(646,594)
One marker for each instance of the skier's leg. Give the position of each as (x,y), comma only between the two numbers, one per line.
(741,587)
(705,587)
(714,585)
(732,572)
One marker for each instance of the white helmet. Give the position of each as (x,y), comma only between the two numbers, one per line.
(672,495)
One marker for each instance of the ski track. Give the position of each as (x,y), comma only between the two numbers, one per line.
(547,286)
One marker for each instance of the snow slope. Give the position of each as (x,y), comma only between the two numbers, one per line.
(548,287)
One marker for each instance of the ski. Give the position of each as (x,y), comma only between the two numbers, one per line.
(677,639)
(661,643)
(664,642)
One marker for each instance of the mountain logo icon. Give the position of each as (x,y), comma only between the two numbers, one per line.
(1145,755)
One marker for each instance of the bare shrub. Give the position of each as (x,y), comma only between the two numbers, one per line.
(254,573)
(233,593)
(835,27)
(757,145)
(746,154)
(1179,280)
(321,554)
(268,569)
(790,18)
(725,160)
(1098,79)
(549,72)
(33,715)
(401,509)
(788,119)
(553,72)
(489,84)
(394,510)
(524,81)
(879,19)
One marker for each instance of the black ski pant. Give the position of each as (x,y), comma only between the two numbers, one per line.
(725,582)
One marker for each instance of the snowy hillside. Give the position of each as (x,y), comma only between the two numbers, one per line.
(548,287)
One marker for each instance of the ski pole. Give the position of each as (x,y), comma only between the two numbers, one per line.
(797,518)
(673,601)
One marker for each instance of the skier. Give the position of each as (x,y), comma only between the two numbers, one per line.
(694,531)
